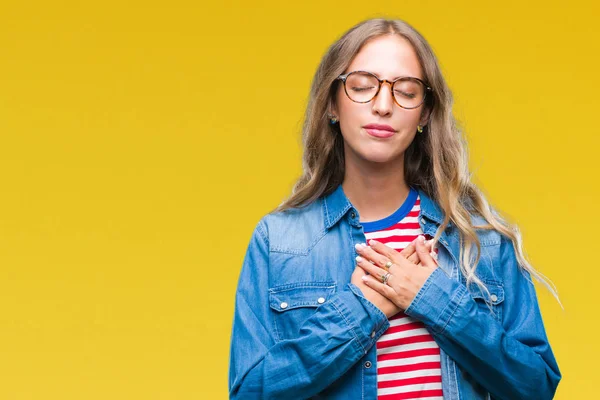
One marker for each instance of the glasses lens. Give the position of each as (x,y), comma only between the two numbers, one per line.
(361,87)
(409,92)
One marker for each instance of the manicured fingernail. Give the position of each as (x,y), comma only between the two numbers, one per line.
(365,279)
(358,259)
(421,239)
(358,246)
(372,242)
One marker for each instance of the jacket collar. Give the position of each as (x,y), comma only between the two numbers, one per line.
(336,205)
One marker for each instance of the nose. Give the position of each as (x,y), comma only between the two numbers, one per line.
(383,103)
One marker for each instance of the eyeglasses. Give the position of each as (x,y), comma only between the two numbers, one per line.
(363,86)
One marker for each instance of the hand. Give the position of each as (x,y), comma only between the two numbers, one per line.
(410,251)
(386,305)
(406,278)
(380,301)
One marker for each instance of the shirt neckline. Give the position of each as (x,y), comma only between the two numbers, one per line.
(394,218)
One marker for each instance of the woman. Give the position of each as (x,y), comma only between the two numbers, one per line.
(341,296)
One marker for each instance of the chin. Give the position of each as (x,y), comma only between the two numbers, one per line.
(374,152)
(379,156)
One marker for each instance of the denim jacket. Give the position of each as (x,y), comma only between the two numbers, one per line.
(301,330)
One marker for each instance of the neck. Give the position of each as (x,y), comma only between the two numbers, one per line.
(376,190)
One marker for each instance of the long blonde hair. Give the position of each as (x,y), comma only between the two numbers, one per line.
(435,162)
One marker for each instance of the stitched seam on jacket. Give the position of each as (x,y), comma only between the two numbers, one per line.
(362,384)
(301,252)
(421,292)
(262,233)
(368,303)
(352,328)
(461,293)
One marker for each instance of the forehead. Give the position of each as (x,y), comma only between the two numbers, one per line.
(388,56)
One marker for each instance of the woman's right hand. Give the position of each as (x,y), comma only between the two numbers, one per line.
(383,303)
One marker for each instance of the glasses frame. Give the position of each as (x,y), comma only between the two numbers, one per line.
(343,78)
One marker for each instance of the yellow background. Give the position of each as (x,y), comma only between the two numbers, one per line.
(140,142)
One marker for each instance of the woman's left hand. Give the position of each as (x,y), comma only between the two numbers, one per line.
(406,278)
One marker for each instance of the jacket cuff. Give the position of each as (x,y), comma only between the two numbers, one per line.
(366,322)
(436,301)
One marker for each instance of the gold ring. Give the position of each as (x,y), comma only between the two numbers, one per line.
(388,264)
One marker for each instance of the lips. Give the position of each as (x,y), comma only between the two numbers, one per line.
(380,127)
(380,131)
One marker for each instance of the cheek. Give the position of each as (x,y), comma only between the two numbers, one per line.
(410,118)
(351,119)
(348,109)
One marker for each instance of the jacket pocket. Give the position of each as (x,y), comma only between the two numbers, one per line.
(294,303)
(491,303)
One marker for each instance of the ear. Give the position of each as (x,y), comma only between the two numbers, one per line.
(425,116)
(332,110)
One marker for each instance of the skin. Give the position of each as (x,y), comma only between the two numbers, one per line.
(374,172)
(374,177)
(406,277)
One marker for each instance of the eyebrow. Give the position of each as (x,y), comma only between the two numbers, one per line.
(404,76)
(393,79)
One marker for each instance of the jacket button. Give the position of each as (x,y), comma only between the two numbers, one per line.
(367,364)
(321,300)
(494,297)
(353,214)
(373,334)
(283,305)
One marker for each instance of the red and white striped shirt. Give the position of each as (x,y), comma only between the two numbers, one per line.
(408,358)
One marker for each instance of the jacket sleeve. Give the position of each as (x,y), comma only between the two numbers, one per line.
(513,359)
(333,339)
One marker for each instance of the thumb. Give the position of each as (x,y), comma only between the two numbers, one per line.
(424,253)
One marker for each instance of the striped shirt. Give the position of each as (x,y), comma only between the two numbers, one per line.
(408,359)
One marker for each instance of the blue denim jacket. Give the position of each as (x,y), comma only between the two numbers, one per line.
(301,330)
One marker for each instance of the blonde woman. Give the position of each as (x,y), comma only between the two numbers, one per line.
(386,274)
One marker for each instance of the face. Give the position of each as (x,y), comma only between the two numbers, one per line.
(388,57)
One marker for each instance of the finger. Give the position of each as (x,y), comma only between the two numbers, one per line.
(409,250)
(414,257)
(434,257)
(382,249)
(372,269)
(390,252)
(383,289)
(424,253)
(371,254)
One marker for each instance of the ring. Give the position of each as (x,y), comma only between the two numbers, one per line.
(388,264)
(384,278)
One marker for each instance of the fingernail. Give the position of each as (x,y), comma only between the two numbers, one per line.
(372,242)
(359,258)
(421,239)
(358,246)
